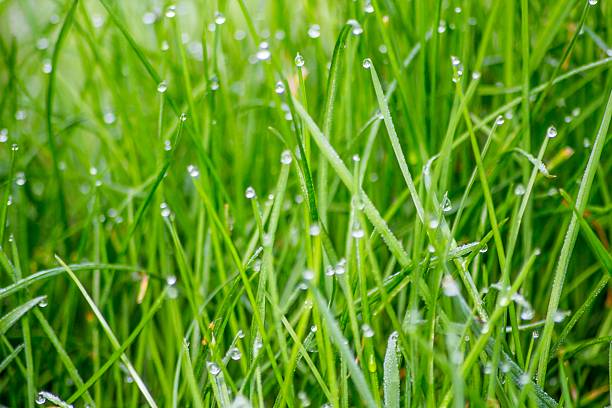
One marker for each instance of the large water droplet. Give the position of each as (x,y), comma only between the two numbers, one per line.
(171,11)
(263,53)
(213,368)
(250,193)
(299,60)
(235,353)
(219,18)
(367,63)
(286,157)
(314,31)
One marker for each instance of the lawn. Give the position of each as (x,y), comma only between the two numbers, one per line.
(248,203)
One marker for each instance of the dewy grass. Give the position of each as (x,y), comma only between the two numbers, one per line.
(291,204)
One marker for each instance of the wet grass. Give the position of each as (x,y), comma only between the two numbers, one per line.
(242,203)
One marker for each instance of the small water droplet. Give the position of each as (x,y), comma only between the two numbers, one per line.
(308,274)
(499,120)
(3,135)
(149,18)
(43,303)
(523,379)
(20,114)
(162,87)
(446,203)
(250,193)
(263,53)
(299,60)
(484,249)
(535,334)
(193,171)
(40,398)
(488,369)
(560,315)
(455,61)
(592,2)
(586,143)
(476,75)
(164,46)
(171,11)
(551,132)
(434,223)
(314,31)
(368,7)
(286,157)
(519,190)
(356,27)
(235,353)
(219,18)
(368,332)
(527,314)
(167,145)
(20,178)
(42,43)
(213,368)
(367,63)
(314,230)
(357,232)
(449,286)
(165,211)
(47,67)
(279,88)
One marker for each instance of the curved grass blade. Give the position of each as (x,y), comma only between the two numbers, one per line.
(12,317)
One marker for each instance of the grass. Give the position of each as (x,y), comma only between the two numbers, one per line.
(248,203)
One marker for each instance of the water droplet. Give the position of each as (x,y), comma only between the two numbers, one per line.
(499,120)
(441,27)
(42,43)
(519,190)
(308,274)
(109,117)
(171,280)
(164,46)
(446,203)
(162,87)
(149,18)
(219,18)
(535,334)
(431,249)
(455,61)
(476,75)
(314,230)
(20,178)
(3,135)
(433,223)
(250,193)
(357,29)
(357,232)
(527,314)
(560,315)
(235,353)
(263,53)
(279,88)
(449,286)
(304,400)
(171,11)
(485,328)
(368,332)
(458,10)
(367,63)
(592,2)
(257,345)
(368,7)
(165,211)
(20,114)
(551,132)
(586,143)
(193,171)
(488,369)
(299,60)
(537,252)
(214,83)
(523,379)
(505,367)
(484,249)
(286,157)
(40,398)
(43,303)
(167,145)
(314,31)
(213,368)
(47,67)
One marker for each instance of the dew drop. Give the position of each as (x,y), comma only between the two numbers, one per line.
(162,87)
(164,46)
(165,211)
(446,203)
(40,399)
(357,232)
(167,145)
(314,230)
(279,88)
(286,157)
(235,353)
(214,83)
(314,31)
(3,135)
(43,303)
(551,132)
(193,171)
(449,286)
(219,18)
(149,18)
(527,314)
(263,53)
(42,43)
(367,63)
(484,249)
(523,379)
(519,190)
(476,75)
(368,332)
(213,368)
(455,61)
(171,11)
(499,120)
(20,178)
(20,114)
(535,334)
(299,60)
(433,223)
(560,315)
(357,29)
(47,67)
(249,193)
(592,2)
(368,7)
(308,275)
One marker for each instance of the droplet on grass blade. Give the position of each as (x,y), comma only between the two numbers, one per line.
(286,157)
(367,63)
(314,31)
(263,53)
(250,193)
(162,87)
(368,332)
(299,60)
(279,88)
(219,18)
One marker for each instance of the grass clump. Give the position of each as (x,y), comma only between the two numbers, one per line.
(368,203)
